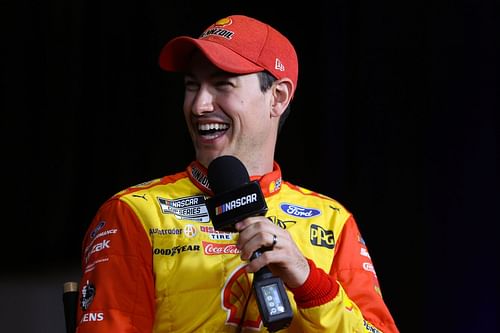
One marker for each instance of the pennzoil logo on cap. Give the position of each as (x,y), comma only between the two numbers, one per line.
(217,29)
(223,22)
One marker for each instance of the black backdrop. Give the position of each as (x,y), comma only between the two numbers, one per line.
(393,117)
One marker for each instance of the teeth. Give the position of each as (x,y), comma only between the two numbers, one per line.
(213,126)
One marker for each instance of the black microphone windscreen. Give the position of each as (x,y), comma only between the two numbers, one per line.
(226,173)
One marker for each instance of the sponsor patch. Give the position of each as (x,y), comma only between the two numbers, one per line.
(105,244)
(176,250)
(370,328)
(97,228)
(321,237)
(243,201)
(275,185)
(143,196)
(364,252)
(106,233)
(91,266)
(228,34)
(211,249)
(221,236)
(283,224)
(216,234)
(236,293)
(92,316)
(165,232)
(299,211)
(369,268)
(200,177)
(88,294)
(190,230)
(187,208)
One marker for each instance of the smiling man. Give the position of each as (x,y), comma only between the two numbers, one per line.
(165,268)
(228,114)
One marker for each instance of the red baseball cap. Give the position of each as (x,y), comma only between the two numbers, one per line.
(236,44)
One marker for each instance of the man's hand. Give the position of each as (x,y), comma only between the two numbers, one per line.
(281,255)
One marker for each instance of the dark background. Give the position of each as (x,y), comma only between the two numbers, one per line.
(394,116)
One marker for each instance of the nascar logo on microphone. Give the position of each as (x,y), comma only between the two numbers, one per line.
(243,201)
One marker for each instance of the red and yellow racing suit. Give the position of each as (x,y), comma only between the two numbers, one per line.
(152,262)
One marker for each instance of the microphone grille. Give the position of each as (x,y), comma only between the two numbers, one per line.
(226,173)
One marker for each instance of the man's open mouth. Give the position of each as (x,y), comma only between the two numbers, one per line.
(212,130)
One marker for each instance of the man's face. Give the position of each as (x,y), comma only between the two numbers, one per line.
(228,114)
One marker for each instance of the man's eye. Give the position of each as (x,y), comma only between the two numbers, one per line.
(224,84)
(191,86)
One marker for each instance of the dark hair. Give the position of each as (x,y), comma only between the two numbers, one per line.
(266,80)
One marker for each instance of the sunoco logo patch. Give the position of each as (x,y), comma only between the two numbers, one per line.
(187,208)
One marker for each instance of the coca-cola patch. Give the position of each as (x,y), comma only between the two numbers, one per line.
(212,249)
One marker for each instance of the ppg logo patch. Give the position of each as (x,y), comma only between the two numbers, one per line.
(321,237)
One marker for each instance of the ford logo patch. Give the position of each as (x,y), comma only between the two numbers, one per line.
(299,211)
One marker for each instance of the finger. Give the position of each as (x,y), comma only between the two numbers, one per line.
(245,223)
(250,227)
(250,243)
(275,241)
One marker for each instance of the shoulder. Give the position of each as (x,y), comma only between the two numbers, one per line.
(306,193)
(150,186)
(303,198)
(142,201)
(145,191)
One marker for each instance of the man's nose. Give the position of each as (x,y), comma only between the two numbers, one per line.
(203,102)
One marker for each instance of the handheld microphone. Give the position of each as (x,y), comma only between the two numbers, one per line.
(236,198)
(70,301)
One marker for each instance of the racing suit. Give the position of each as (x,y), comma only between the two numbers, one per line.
(152,262)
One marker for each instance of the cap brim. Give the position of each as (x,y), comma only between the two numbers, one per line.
(176,56)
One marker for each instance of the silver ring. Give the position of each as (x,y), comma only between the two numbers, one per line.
(275,240)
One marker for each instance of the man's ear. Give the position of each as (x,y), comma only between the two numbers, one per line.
(282,95)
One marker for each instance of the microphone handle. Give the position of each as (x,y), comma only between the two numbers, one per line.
(70,301)
(272,299)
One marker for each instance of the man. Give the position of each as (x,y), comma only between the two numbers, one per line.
(152,260)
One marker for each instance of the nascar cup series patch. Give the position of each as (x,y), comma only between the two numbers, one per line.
(188,208)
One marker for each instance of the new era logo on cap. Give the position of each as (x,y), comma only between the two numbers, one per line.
(236,44)
(279,66)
